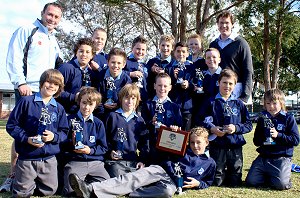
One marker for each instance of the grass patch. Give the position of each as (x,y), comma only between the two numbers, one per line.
(212,192)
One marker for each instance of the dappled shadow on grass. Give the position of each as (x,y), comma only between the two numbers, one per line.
(2,124)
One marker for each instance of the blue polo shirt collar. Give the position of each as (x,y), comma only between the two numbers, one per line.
(38,98)
(107,74)
(131,116)
(155,99)
(91,117)
(168,59)
(231,97)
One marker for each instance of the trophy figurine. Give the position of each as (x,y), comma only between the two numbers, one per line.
(268,124)
(199,84)
(78,134)
(110,90)
(227,114)
(178,178)
(86,78)
(139,83)
(159,109)
(121,138)
(43,121)
(180,75)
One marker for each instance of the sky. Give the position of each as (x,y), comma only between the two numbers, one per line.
(14,14)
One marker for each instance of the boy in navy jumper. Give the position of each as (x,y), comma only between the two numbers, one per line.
(86,161)
(227,120)
(36,168)
(136,68)
(198,173)
(276,134)
(77,73)
(210,83)
(162,63)
(183,88)
(99,38)
(160,111)
(126,132)
(109,81)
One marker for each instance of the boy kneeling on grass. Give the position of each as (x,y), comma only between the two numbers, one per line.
(198,172)
(38,124)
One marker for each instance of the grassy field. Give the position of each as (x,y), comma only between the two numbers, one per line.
(214,192)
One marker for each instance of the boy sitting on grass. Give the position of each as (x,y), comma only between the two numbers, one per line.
(197,171)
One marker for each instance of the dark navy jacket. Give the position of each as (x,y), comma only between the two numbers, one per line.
(180,96)
(101,59)
(171,116)
(133,65)
(23,123)
(94,136)
(136,133)
(73,80)
(199,167)
(101,84)
(287,138)
(166,64)
(239,117)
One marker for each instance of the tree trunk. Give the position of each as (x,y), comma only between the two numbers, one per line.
(279,33)
(266,48)
(183,21)
(174,21)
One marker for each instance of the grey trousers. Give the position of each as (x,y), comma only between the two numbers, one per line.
(91,170)
(151,181)
(35,175)
(119,167)
(275,173)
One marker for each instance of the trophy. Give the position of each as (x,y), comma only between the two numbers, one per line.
(227,112)
(268,124)
(110,90)
(86,78)
(140,78)
(199,84)
(43,121)
(178,178)
(121,138)
(180,75)
(78,134)
(159,109)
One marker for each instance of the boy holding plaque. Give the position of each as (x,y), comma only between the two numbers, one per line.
(126,133)
(160,111)
(227,119)
(109,81)
(86,144)
(276,134)
(197,171)
(38,114)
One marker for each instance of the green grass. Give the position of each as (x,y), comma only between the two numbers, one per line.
(214,192)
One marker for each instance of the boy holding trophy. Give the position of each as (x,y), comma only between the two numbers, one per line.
(276,134)
(86,145)
(38,124)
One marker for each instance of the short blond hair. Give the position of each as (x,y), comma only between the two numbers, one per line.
(167,38)
(53,76)
(200,132)
(130,90)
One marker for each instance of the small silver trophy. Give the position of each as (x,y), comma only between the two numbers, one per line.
(199,83)
(159,109)
(227,112)
(86,78)
(110,90)
(78,134)
(178,178)
(121,138)
(268,124)
(43,121)
(180,75)
(139,83)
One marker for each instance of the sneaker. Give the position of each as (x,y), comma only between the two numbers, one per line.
(6,186)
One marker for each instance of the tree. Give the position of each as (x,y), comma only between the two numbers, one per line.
(277,26)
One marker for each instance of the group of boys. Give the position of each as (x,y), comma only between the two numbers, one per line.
(115,106)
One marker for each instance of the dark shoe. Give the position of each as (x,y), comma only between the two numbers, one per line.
(81,188)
